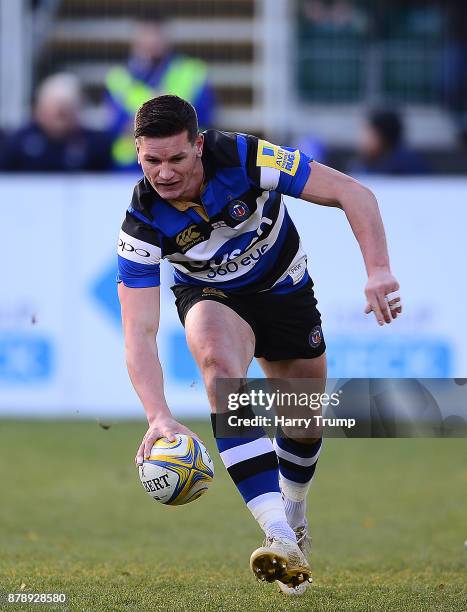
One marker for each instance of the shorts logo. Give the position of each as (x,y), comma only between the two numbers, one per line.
(213,291)
(238,210)
(188,238)
(271,156)
(316,336)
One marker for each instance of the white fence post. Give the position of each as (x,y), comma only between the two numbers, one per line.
(15,61)
(276,67)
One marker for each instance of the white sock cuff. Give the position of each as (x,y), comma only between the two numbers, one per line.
(268,509)
(259,504)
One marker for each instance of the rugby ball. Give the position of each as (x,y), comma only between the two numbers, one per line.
(177,472)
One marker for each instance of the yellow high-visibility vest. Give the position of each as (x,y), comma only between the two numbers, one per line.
(184,77)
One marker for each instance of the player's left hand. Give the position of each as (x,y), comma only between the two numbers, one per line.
(386,307)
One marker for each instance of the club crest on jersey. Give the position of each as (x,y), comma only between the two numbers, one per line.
(271,156)
(238,210)
(316,336)
(188,238)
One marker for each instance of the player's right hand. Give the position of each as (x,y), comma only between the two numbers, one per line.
(382,296)
(161,428)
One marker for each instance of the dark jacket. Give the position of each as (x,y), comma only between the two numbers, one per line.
(29,149)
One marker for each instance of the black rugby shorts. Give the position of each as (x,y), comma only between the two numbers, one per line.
(286,326)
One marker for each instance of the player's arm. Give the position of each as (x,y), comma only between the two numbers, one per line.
(292,173)
(329,187)
(139,257)
(140,317)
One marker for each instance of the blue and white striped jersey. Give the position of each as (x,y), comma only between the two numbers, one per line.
(247,242)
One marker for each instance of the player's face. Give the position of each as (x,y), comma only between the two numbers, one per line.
(172,164)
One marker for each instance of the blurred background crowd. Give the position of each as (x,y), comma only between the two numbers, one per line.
(365,86)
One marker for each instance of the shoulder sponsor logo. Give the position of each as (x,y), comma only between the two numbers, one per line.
(123,246)
(137,250)
(188,238)
(272,156)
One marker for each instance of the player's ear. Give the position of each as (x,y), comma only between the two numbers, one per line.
(137,150)
(199,142)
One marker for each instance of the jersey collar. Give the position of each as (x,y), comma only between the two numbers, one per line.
(145,195)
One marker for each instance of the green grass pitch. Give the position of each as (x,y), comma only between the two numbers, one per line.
(388,520)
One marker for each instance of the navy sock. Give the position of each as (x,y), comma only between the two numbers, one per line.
(253,466)
(297,466)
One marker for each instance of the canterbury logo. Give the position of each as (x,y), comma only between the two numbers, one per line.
(213,291)
(188,236)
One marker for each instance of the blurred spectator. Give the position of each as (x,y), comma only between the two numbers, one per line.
(55,140)
(153,69)
(381,149)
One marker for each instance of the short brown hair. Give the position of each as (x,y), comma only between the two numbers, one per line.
(166,116)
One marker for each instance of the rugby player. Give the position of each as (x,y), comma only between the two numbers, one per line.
(212,205)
